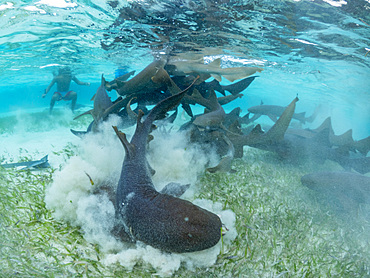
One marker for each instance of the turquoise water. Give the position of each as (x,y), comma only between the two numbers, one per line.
(318,50)
(315,49)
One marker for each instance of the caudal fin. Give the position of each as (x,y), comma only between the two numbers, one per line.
(239,86)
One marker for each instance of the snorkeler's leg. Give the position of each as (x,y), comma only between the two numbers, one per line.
(72,95)
(54,98)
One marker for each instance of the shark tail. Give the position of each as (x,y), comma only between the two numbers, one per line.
(78,133)
(239,86)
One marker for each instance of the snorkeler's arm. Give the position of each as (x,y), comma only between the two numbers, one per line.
(49,87)
(74,78)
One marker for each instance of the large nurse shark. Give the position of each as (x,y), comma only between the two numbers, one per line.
(160,220)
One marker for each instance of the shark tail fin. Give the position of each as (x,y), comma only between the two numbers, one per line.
(44,159)
(239,86)
(78,133)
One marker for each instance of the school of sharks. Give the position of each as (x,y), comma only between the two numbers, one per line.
(169,223)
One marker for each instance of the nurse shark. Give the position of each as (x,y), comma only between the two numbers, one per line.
(275,111)
(42,163)
(160,220)
(346,188)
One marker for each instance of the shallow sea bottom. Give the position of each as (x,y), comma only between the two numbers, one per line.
(52,223)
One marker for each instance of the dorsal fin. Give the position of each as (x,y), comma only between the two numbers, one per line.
(129,111)
(322,137)
(325,124)
(236,111)
(343,139)
(129,148)
(213,100)
(235,127)
(215,63)
(257,130)
(102,82)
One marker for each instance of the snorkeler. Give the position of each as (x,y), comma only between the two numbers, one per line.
(63,80)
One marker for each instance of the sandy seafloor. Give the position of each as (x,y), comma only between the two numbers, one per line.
(55,224)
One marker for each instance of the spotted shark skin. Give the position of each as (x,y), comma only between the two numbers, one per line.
(160,220)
